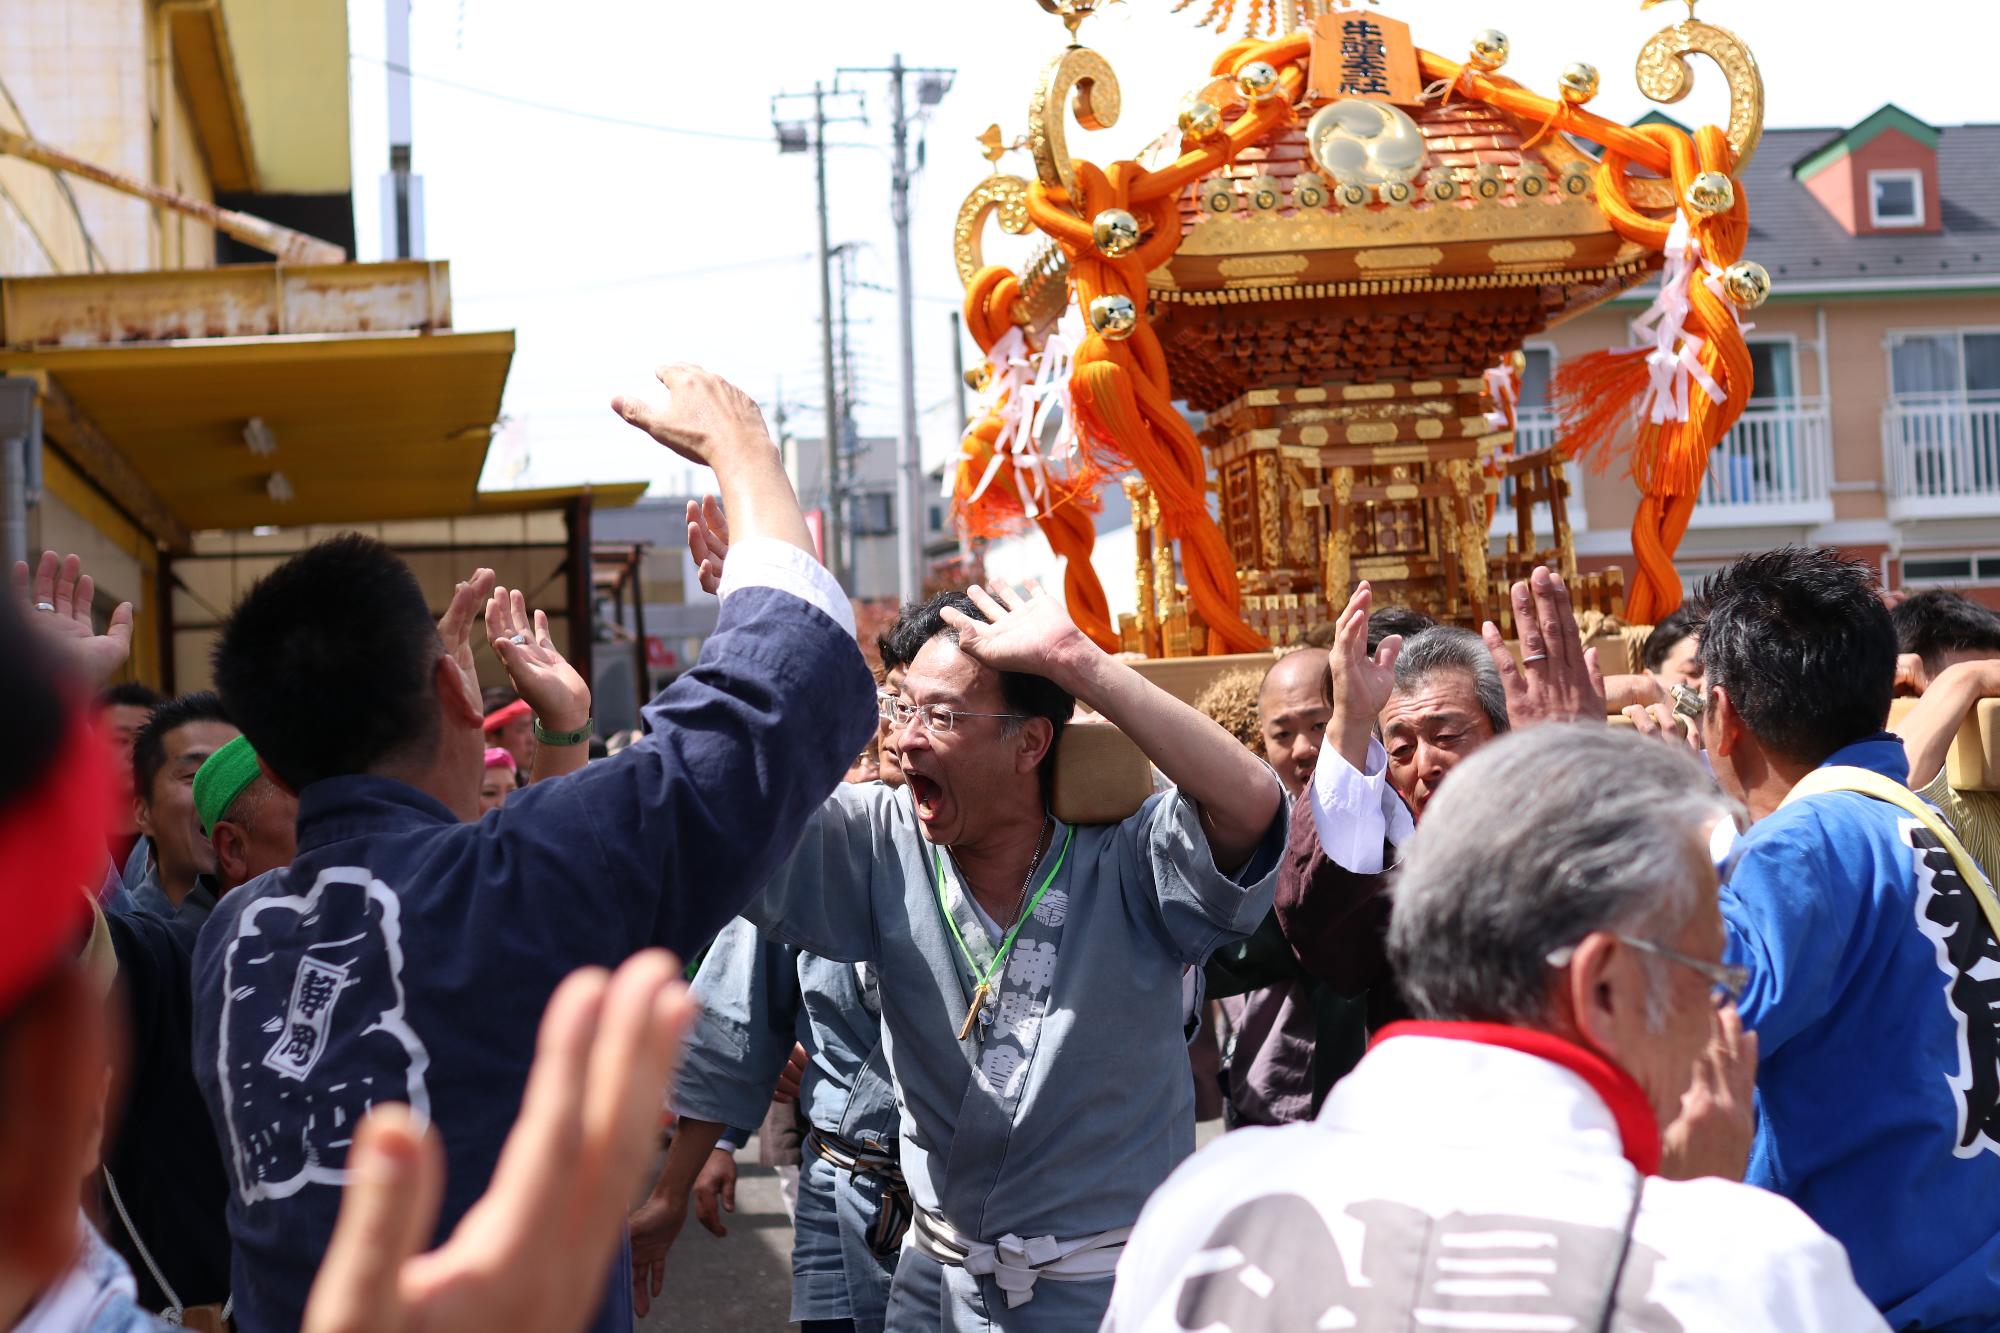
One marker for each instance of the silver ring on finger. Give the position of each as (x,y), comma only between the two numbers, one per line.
(45,606)
(519,638)
(1534,657)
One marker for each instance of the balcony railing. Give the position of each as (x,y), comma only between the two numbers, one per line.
(1773,467)
(1942,454)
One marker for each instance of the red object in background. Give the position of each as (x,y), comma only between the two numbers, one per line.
(658,654)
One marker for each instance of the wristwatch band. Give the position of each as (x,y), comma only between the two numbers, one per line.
(577,737)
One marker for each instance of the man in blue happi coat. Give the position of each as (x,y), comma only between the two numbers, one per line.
(406,954)
(1874,969)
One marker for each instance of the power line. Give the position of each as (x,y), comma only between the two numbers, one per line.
(602,118)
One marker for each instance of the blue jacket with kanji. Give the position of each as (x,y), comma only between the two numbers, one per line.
(405,956)
(1874,982)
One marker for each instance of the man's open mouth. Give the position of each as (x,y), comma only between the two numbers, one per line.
(925,792)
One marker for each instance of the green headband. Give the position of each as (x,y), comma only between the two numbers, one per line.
(221,779)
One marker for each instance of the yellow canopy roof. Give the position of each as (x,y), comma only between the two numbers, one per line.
(366,428)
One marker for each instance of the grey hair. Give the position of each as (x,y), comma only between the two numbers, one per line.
(1539,839)
(1444,648)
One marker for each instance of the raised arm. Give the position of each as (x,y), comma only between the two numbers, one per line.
(1927,729)
(1238,796)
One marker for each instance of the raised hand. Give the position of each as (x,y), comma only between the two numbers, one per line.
(704,418)
(533,1250)
(455,628)
(1557,680)
(708,540)
(1361,684)
(1718,1120)
(1031,633)
(56,603)
(540,674)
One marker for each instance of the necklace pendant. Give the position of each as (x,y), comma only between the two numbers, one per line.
(972,1015)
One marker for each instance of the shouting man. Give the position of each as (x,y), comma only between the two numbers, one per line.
(1025,964)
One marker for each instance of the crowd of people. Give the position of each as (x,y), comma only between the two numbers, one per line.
(352,995)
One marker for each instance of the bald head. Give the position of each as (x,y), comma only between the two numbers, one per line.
(1292,712)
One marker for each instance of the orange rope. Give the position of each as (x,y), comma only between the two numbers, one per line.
(1067,524)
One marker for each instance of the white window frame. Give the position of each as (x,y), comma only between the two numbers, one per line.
(1916,179)
(1958,332)
(1971,579)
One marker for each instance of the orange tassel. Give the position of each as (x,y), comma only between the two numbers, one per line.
(1596,396)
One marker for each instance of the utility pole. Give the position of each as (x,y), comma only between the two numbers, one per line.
(402,191)
(959,386)
(792,139)
(932,85)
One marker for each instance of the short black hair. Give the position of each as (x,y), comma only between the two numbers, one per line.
(1676,625)
(1036,696)
(889,644)
(149,750)
(1404,620)
(1939,621)
(130,694)
(327,662)
(1800,639)
(496,697)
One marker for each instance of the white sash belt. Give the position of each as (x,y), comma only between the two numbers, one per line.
(1016,1264)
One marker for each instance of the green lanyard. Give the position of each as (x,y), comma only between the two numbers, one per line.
(985,978)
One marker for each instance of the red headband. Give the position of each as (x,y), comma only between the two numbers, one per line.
(500,717)
(52,856)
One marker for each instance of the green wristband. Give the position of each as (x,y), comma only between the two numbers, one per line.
(577,737)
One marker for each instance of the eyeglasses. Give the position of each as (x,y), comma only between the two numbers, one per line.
(1727,981)
(938,720)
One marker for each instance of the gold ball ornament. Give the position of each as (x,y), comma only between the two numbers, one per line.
(1578,83)
(1116,232)
(1489,50)
(1710,193)
(1517,360)
(1258,80)
(1747,284)
(1200,118)
(977,378)
(1114,316)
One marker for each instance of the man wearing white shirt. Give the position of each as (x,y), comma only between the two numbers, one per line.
(1502,1164)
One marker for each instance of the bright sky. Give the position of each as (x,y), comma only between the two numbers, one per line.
(610,248)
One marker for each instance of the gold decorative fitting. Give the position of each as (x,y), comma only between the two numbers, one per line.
(1359,141)
(1259,80)
(1579,83)
(1576,179)
(1489,50)
(1517,360)
(1265,192)
(1114,316)
(1116,232)
(1308,191)
(1005,195)
(1081,77)
(1442,189)
(1664,76)
(977,378)
(1352,196)
(1200,119)
(1747,283)
(1487,183)
(1071,12)
(1397,193)
(1533,180)
(1710,193)
(1218,197)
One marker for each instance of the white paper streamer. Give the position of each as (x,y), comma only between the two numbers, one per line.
(1673,355)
